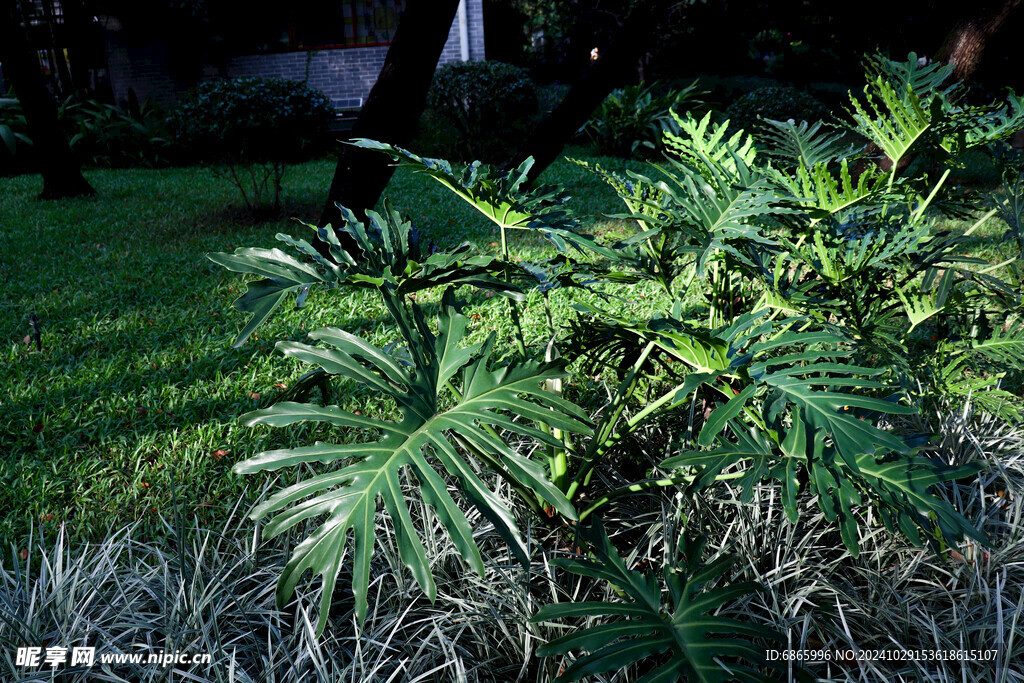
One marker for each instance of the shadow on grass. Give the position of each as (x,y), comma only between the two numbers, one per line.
(235,217)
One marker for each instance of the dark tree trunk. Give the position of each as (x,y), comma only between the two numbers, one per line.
(79,32)
(392,108)
(616,64)
(965,45)
(62,176)
(64,85)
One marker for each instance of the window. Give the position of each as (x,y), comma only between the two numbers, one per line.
(352,23)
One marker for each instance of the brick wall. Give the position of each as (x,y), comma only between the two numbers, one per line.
(475,10)
(143,68)
(346,76)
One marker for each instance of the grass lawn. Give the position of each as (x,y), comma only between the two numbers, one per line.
(128,411)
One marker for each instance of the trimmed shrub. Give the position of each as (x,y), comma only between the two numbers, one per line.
(262,123)
(778,103)
(253,119)
(489,104)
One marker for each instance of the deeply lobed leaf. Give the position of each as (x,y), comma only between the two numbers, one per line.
(429,440)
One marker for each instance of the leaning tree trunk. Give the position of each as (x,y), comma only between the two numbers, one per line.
(62,176)
(617,62)
(392,108)
(965,45)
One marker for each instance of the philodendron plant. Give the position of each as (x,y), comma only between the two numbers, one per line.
(796,282)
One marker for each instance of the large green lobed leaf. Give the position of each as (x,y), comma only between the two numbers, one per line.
(432,439)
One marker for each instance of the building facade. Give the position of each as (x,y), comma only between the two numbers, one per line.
(339,49)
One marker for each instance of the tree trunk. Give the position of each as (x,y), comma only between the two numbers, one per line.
(79,32)
(61,174)
(965,45)
(617,63)
(64,85)
(392,108)
(963,48)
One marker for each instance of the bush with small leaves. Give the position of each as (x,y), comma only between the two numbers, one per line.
(253,126)
(776,103)
(489,104)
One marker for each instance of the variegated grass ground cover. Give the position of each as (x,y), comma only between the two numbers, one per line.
(209,588)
